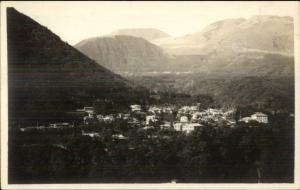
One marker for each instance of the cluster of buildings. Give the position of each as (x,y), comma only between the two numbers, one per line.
(191,117)
(185,118)
(188,118)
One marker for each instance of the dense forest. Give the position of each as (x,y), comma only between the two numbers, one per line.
(275,92)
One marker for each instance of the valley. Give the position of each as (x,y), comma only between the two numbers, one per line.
(141,106)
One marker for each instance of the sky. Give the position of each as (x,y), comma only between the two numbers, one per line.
(75,21)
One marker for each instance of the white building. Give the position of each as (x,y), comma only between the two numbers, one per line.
(198,115)
(167,110)
(260,117)
(58,125)
(119,136)
(108,119)
(136,107)
(184,119)
(186,127)
(151,119)
(188,109)
(246,119)
(166,124)
(100,117)
(89,110)
(92,134)
(214,111)
(194,108)
(155,110)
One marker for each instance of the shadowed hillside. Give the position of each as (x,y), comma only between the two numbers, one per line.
(48,77)
(226,91)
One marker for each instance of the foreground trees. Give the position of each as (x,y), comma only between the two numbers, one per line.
(264,153)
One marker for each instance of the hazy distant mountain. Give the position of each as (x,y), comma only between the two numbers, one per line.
(260,45)
(48,77)
(272,34)
(124,53)
(146,33)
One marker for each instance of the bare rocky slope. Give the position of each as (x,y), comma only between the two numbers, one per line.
(124,53)
(260,45)
(262,33)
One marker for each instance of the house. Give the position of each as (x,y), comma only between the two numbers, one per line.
(92,134)
(58,125)
(245,119)
(100,117)
(186,127)
(167,110)
(119,137)
(135,108)
(178,126)
(151,119)
(198,115)
(260,117)
(230,121)
(166,124)
(32,128)
(155,110)
(194,108)
(184,119)
(133,121)
(87,110)
(214,111)
(88,120)
(229,113)
(147,127)
(184,109)
(188,109)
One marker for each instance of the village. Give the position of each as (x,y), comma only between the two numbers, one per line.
(183,119)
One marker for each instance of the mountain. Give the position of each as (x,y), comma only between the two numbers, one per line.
(261,33)
(235,63)
(124,53)
(47,77)
(275,92)
(261,45)
(145,33)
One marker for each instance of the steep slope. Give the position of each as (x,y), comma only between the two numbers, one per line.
(260,33)
(260,45)
(226,91)
(145,33)
(235,63)
(47,77)
(124,53)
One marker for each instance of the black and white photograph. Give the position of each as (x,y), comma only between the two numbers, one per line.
(149,92)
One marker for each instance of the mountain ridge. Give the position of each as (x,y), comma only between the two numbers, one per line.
(123,53)
(262,32)
(145,33)
(47,77)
